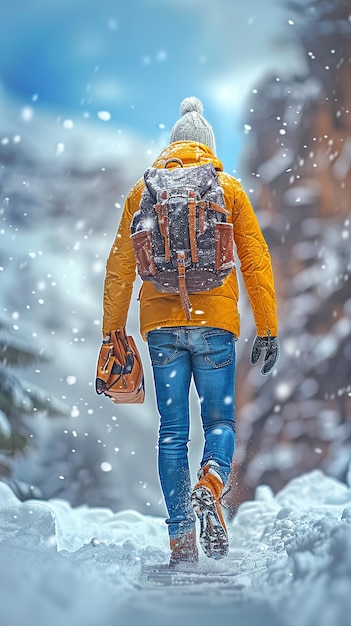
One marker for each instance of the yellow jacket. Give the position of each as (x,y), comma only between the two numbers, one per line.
(218,307)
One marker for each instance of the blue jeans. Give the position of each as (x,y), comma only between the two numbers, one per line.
(208,355)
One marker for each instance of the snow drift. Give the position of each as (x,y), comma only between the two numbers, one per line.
(289,563)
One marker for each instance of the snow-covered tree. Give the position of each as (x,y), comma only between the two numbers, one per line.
(20,401)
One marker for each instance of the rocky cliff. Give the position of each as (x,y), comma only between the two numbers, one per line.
(298,163)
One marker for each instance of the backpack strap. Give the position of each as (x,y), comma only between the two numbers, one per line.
(175,160)
(162,216)
(215,207)
(202,223)
(184,298)
(192,225)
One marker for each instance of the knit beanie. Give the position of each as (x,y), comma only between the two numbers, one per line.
(192,126)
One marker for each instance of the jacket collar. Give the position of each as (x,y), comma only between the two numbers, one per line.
(190,152)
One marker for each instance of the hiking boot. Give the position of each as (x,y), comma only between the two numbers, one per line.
(206,500)
(184,549)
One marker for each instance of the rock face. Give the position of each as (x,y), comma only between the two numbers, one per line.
(298,162)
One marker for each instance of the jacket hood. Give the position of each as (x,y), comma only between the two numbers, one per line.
(190,152)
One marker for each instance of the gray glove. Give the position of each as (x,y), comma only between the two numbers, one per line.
(271,347)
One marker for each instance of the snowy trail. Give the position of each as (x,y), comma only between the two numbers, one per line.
(289,563)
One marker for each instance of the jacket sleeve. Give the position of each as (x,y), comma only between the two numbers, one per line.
(120,270)
(256,266)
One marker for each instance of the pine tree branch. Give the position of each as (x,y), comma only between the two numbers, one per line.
(15,351)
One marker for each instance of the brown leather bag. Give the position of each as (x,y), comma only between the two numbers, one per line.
(119,372)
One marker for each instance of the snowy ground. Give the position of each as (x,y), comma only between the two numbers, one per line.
(289,564)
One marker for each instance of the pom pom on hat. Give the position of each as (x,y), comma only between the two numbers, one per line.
(191,104)
(192,126)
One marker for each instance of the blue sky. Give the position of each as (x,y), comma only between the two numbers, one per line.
(138,59)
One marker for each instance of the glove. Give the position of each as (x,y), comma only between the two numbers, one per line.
(271,347)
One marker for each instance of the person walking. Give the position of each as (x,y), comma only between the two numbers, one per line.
(200,347)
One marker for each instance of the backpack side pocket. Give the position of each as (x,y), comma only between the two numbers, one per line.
(142,245)
(224,259)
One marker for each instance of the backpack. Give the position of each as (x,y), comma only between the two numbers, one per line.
(182,241)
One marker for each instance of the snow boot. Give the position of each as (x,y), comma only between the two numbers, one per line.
(206,500)
(184,549)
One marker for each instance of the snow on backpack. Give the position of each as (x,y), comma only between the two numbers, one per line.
(180,234)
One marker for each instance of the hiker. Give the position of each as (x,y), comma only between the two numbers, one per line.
(192,336)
